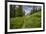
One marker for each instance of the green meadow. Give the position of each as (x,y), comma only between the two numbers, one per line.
(30,21)
(18,19)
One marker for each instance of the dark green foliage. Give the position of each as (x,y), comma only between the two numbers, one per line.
(12,10)
(16,12)
(19,11)
(34,11)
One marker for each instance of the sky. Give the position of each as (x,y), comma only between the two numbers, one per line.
(27,9)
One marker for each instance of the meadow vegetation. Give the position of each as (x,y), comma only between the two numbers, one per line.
(29,21)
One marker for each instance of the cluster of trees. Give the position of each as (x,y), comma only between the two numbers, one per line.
(12,11)
(35,9)
(17,12)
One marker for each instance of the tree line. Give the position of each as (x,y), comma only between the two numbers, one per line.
(18,12)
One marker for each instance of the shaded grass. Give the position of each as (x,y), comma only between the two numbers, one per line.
(16,22)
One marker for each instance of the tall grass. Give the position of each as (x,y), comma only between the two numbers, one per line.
(30,21)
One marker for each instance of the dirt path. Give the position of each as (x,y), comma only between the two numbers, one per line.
(23,26)
(24,22)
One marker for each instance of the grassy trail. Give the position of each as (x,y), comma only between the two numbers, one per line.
(24,24)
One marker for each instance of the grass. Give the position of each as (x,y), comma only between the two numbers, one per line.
(30,21)
(16,22)
(33,21)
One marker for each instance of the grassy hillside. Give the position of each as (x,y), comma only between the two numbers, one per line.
(29,21)
(33,21)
